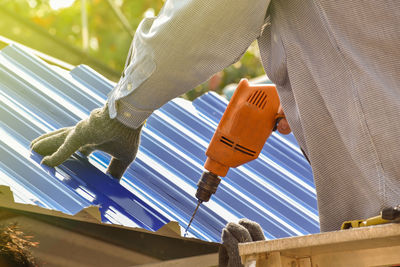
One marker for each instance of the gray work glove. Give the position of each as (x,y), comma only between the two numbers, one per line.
(232,235)
(97,132)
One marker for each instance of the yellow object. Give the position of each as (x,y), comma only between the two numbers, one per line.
(362,223)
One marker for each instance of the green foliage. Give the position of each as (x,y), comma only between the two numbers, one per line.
(108,42)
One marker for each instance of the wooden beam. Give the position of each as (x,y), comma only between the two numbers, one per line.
(367,246)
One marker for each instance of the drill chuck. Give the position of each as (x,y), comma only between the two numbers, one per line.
(207,186)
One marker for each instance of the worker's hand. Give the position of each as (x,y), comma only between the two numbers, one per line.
(97,132)
(283,125)
(232,235)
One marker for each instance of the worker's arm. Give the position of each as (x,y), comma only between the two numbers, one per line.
(188,42)
(182,47)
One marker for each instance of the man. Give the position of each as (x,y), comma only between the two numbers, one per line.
(336,65)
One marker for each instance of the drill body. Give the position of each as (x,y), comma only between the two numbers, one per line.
(241,134)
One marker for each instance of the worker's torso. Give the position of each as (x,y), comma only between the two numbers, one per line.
(337,68)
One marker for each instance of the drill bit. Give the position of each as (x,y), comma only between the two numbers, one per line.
(191,219)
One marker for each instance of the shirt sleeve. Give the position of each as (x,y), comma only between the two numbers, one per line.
(180,48)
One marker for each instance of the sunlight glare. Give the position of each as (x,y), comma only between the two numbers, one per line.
(58,4)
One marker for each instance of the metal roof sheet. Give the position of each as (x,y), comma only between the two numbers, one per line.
(275,190)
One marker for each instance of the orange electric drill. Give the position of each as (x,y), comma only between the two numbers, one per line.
(248,121)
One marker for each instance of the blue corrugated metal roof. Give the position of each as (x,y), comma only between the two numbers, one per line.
(275,190)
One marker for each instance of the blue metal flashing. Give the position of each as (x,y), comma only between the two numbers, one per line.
(275,190)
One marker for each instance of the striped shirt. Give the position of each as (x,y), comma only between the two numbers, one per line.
(336,65)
